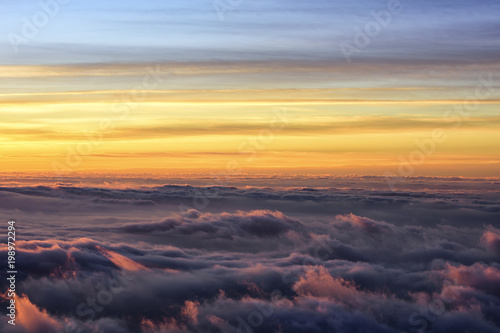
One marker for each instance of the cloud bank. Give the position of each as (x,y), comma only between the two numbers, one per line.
(287,259)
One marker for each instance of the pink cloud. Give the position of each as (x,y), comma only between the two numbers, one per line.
(364,223)
(491,240)
(190,311)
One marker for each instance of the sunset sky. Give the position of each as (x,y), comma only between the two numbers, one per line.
(176,86)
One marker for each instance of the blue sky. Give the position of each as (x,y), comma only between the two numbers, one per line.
(132,31)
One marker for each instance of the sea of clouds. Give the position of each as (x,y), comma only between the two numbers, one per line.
(340,256)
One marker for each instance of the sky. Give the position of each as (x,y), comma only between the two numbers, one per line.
(403,88)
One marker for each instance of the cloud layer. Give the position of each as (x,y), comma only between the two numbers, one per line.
(256,259)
